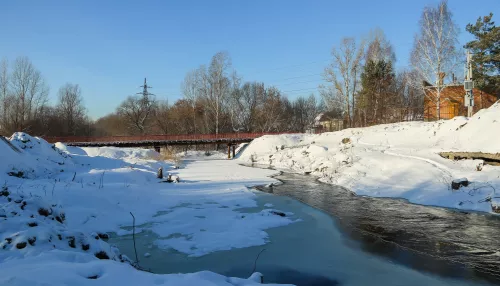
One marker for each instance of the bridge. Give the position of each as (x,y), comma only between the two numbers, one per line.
(158,141)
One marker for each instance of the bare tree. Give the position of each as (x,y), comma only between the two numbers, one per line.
(219,86)
(343,74)
(111,125)
(244,106)
(191,90)
(305,111)
(379,48)
(70,108)
(29,91)
(271,111)
(411,97)
(4,100)
(435,50)
(162,112)
(136,111)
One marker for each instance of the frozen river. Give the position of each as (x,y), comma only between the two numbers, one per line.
(343,239)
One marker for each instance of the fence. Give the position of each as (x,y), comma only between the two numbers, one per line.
(138,138)
(445,112)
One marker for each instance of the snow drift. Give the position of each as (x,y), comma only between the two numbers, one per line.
(395,160)
(31,157)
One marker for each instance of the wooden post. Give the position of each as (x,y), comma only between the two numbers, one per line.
(229,151)
(234,150)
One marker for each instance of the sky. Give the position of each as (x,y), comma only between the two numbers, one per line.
(109,47)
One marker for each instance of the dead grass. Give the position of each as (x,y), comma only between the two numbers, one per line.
(169,154)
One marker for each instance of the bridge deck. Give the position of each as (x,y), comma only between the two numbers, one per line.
(157,140)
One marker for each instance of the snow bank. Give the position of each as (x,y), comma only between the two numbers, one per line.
(62,268)
(395,160)
(32,225)
(30,157)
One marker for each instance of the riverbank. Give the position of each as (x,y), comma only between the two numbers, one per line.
(396,160)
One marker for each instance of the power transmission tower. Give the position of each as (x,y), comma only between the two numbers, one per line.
(145,93)
(468,86)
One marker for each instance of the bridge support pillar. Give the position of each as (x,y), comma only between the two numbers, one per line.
(157,149)
(229,151)
(234,150)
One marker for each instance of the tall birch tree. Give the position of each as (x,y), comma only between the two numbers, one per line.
(435,50)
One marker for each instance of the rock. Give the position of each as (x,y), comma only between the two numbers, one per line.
(346,140)
(282,214)
(479,167)
(458,183)
(71,242)
(159,174)
(101,255)
(4,192)
(495,208)
(32,240)
(21,245)
(103,236)
(44,212)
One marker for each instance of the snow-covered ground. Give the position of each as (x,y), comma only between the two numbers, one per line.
(58,202)
(202,155)
(396,160)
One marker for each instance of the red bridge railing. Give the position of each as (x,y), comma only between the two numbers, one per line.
(140,138)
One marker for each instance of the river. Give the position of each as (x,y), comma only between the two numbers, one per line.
(344,239)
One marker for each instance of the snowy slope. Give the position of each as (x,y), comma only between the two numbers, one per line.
(52,212)
(36,158)
(395,160)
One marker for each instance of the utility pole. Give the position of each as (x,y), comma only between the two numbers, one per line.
(468,86)
(145,93)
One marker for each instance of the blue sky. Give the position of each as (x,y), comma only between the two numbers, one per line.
(108,47)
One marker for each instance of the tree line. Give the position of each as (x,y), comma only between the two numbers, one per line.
(24,103)
(362,87)
(215,100)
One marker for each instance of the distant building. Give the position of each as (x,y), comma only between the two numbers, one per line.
(452,101)
(327,122)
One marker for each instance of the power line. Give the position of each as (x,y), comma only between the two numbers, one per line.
(296,90)
(296,77)
(300,82)
(292,66)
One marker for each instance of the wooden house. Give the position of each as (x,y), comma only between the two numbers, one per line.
(452,102)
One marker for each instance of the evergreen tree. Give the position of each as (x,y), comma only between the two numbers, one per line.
(486,54)
(376,96)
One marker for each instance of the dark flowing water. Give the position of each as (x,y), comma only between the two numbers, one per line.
(344,239)
(446,242)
